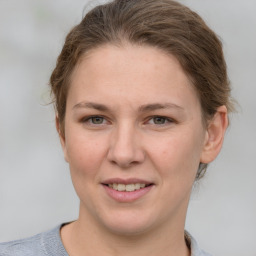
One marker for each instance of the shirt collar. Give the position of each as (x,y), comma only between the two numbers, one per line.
(195,250)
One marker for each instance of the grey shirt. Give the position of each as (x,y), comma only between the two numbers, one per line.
(49,244)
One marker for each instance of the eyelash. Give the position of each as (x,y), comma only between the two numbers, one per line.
(90,118)
(166,120)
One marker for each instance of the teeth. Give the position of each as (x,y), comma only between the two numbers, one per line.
(137,186)
(121,187)
(128,187)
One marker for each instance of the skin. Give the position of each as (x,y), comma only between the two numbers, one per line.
(148,126)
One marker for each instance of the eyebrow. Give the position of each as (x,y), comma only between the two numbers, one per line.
(142,108)
(156,106)
(92,105)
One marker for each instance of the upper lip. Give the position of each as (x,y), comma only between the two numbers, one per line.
(126,181)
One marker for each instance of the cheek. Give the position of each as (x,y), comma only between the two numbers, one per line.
(177,155)
(85,160)
(85,153)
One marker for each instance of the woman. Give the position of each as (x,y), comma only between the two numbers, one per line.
(142,100)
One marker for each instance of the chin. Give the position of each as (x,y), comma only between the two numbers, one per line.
(129,224)
(122,229)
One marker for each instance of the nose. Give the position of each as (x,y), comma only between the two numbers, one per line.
(125,148)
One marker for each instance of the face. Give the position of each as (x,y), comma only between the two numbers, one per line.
(134,138)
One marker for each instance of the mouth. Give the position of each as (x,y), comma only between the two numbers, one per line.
(127,190)
(127,187)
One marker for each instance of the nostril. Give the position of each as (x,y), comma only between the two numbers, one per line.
(123,160)
(124,150)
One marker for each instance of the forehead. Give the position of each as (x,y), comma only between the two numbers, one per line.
(128,57)
(138,73)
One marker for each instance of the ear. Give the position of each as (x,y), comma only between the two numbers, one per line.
(214,135)
(62,137)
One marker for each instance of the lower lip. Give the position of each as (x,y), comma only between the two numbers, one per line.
(126,197)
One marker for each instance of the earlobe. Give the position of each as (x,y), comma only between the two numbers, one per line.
(61,137)
(214,135)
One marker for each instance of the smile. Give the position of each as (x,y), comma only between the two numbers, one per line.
(127,190)
(127,187)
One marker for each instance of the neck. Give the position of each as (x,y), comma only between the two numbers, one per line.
(83,237)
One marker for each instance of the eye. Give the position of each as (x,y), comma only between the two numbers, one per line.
(160,120)
(94,120)
(97,120)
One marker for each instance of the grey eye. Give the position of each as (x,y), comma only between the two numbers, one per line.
(97,120)
(159,120)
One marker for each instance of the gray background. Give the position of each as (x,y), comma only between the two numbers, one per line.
(35,188)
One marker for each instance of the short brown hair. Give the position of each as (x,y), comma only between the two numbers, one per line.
(165,24)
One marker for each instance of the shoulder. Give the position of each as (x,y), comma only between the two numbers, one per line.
(43,244)
(22,247)
(195,250)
